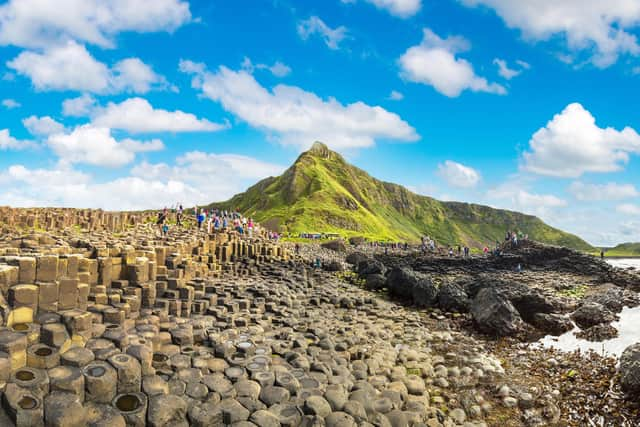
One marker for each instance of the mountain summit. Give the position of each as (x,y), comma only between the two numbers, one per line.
(323,193)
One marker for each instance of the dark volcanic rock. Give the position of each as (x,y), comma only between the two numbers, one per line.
(400,282)
(552,324)
(406,283)
(370,266)
(612,299)
(591,314)
(333,266)
(598,333)
(354,258)
(424,293)
(526,300)
(374,282)
(494,314)
(335,245)
(630,370)
(452,297)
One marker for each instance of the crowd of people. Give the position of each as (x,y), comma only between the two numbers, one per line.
(209,220)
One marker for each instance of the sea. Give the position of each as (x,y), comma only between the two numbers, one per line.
(627,326)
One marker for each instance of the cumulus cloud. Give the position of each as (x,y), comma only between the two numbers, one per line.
(433,62)
(600,192)
(41,23)
(600,28)
(71,67)
(399,8)
(80,106)
(137,115)
(8,142)
(571,144)
(628,209)
(513,196)
(42,126)
(299,117)
(195,178)
(458,175)
(10,104)
(316,26)
(92,145)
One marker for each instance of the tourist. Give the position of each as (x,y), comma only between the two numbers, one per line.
(250,227)
(201,217)
(165,229)
(162,217)
(179,215)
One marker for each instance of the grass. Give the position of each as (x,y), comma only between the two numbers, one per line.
(321,192)
(577,292)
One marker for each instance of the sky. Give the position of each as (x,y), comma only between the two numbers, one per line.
(528,105)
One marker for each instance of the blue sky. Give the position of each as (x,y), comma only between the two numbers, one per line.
(141,104)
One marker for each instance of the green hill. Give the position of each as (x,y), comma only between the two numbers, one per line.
(624,249)
(321,192)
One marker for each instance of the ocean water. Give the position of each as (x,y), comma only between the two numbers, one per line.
(627,326)
(625,262)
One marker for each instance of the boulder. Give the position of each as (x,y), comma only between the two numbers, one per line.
(591,314)
(612,299)
(335,245)
(552,324)
(630,370)
(354,258)
(374,282)
(400,282)
(333,266)
(370,266)
(452,297)
(494,314)
(424,293)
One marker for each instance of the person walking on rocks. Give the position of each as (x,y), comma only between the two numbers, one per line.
(162,217)
(179,215)
(201,218)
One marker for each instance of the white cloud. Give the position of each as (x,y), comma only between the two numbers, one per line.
(512,196)
(314,25)
(599,192)
(7,142)
(628,209)
(572,144)
(196,178)
(133,75)
(66,67)
(299,117)
(598,27)
(137,115)
(95,146)
(395,96)
(41,23)
(278,69)
(80,106)
(42,126)
(10,104)
(433,62)
(399,8)
(458,175)
(72,67)
(509,73)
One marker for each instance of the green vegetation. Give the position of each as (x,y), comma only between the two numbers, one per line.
(623,250)
(321,192)
(577,292)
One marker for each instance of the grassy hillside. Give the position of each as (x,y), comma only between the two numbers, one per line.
(624,250)
(321,192)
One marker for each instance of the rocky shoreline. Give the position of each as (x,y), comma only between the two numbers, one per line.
(113,328)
